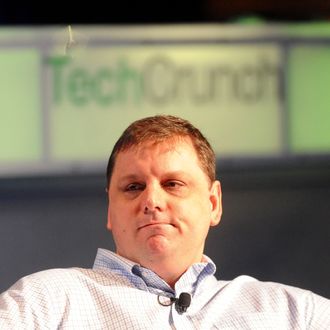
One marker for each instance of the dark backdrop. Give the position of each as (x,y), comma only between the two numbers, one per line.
(35,12)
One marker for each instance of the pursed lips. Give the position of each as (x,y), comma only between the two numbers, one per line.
(155,223)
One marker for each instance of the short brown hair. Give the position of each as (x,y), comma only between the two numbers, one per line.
(159,128)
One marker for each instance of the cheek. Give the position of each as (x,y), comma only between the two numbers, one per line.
(199,205)
(121,219)
(119,233)
(198,215)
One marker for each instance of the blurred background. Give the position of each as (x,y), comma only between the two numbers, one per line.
(274,167)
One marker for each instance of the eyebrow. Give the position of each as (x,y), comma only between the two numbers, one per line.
(128,177)
(133,177)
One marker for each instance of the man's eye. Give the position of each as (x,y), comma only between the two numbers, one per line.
(134,187)
(173,184)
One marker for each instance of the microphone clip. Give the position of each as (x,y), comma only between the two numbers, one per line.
(181,304)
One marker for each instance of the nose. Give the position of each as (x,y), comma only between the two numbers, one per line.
(152,199)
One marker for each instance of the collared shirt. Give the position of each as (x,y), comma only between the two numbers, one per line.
(119,294)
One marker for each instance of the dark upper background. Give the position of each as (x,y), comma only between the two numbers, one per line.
(148,12)
(276,219)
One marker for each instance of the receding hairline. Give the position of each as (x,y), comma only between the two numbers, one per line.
(157,140)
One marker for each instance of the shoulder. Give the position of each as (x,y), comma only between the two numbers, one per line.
(44,298)
(252,288)
(61,281)
(254,295)
(42,284)
(54,290)
(291,305)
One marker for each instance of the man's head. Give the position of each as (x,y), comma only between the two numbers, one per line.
(160,128)
(162,195)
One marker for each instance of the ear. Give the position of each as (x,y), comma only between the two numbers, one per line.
(216,203)
(109,225)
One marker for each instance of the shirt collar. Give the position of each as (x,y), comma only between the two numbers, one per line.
(109,260)
(146,279)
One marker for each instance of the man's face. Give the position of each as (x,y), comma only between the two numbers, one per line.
(161,203)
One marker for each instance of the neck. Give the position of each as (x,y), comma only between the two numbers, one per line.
(170,269)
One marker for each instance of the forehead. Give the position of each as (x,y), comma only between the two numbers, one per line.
(168,150)
(175,145)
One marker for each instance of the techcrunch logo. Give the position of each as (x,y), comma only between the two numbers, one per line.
(161,81)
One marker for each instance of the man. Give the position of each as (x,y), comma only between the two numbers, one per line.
(163,198)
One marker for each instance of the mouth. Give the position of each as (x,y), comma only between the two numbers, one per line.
(154,224)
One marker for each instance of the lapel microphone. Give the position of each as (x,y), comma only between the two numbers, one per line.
(181,304)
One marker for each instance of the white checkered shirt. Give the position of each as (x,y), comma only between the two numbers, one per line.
(118,294)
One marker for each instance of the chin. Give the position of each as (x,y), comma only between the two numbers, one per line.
(158,244)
